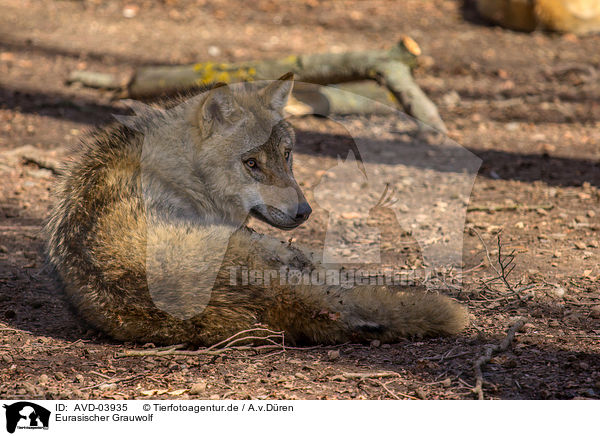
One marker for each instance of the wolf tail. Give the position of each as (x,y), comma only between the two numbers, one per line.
(332,314)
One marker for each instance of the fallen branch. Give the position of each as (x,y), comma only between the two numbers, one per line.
(366,375)
(214,350)
(490,351)
(502,207)
(390,68)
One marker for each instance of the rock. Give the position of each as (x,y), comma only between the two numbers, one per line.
(215,397)
(584,365)
(198,388)
(419,393)
(333,354)
(79,378)
(59,376)
(595,311)
(107,386)
(375,343)
(580,245)
(43,379)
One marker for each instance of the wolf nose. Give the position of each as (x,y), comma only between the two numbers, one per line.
(304,211)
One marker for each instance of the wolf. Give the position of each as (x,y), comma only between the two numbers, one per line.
(150,222)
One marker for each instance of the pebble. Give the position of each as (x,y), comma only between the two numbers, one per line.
(43,379)
(198,388)
(420,394)
(333,354)
(580,245)
(107,386)
(79,378)
(375,343)
(595,311)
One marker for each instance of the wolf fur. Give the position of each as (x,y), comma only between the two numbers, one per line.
(150,222)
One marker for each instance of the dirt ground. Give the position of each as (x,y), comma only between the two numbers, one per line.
(527,104)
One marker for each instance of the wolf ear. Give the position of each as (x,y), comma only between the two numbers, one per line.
(218,106)
(278,92)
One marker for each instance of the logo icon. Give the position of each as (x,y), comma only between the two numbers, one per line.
(26,415)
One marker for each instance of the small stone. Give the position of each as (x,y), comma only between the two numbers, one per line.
(79,378)
(59,376)
(213,50)
(580,245)
(584,365)
(375,343)
(584,196)
(198,388)
(591,213)
(595,311)
(419,393)
(130,11)
(580,219)
(107,386)
(559,291)
(214,397)
(333,354)
(7,358)
(43,379)
(520,225)
(594,244)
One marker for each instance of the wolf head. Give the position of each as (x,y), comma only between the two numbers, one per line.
(243,153)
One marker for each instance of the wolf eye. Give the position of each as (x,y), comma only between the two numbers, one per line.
(251,163)
(287,155)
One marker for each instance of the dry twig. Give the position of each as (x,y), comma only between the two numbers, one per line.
(490,351)
(271,337)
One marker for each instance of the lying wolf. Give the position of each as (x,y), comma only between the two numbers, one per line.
(151,220)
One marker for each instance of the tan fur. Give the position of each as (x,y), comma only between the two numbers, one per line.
(573,16)
(143,219)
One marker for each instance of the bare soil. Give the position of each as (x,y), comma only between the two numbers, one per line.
(527,104)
